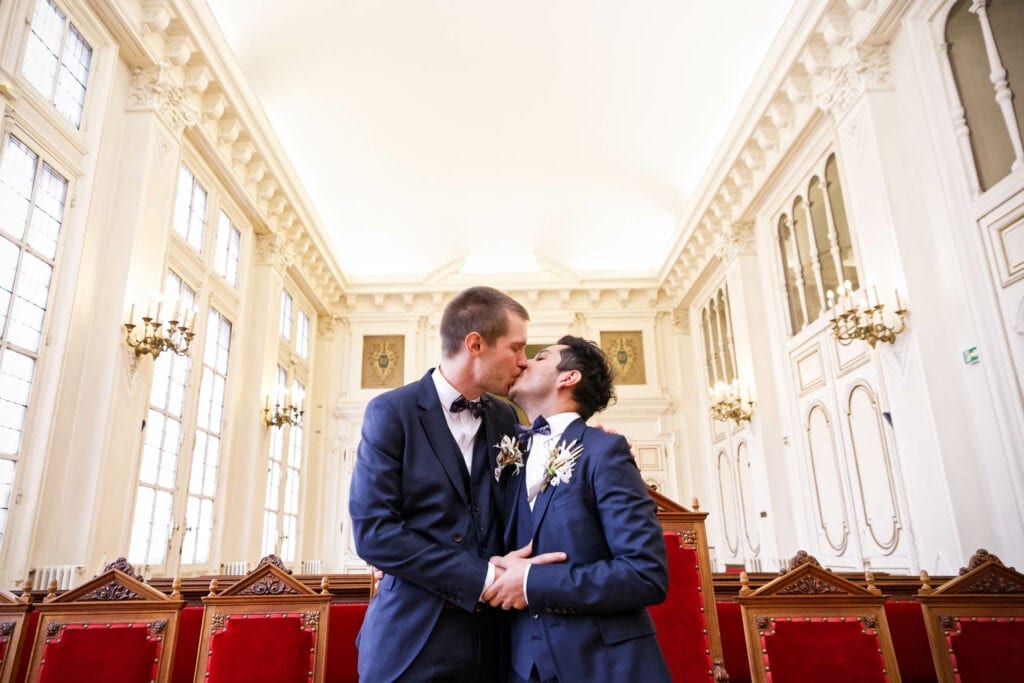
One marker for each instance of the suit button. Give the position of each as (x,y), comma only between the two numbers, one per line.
(536,616)
(457,538)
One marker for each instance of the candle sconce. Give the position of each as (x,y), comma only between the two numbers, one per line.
(156,335)
(283,412)
(864,319)
(731,402)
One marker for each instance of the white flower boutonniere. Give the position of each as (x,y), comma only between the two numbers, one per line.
(509,453)
(561,460)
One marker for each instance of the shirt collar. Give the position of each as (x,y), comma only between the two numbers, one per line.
(559,422)
(445,391)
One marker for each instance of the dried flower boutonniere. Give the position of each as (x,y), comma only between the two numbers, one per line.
(561,460)
(509,453)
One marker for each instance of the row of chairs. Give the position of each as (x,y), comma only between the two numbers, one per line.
(266,627)
(810,624)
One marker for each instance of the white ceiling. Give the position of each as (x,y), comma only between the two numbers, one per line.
(487,136)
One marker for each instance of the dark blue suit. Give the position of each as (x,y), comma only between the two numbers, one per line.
(587,618)
(430,525)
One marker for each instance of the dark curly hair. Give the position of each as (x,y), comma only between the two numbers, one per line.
(595,390)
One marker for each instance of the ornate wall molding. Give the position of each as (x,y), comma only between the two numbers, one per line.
(154,90)
(273,250)
(866,69)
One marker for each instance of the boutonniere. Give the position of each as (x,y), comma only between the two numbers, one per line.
(509,453)
(561,459)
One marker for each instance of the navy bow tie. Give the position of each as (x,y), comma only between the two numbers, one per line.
(475,408)
(540,426)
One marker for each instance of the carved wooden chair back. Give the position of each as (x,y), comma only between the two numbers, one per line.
(810,625)
(268,627)
(975,622)
(112,629)
(13,622)
(686,543)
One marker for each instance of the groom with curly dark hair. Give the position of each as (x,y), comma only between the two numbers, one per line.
(581,492)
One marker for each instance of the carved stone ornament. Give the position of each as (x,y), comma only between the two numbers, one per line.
(867,69)
(154,90)
(273,250)
(269,585)
(112,591)
(122,564)
(6,629)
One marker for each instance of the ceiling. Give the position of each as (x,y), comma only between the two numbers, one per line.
(442,137)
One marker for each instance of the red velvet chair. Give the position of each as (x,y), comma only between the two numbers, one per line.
(13,622)
(113,629)
(687,621)
(811,626)
(342,656)
(975,622)
(266,628)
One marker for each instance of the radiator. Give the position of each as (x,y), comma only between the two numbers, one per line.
(311,566)
(63,574)
(234,568)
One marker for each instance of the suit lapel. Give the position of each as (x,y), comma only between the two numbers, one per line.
(573,432)
(440,437)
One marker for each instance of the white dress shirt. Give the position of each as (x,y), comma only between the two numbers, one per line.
(463,427)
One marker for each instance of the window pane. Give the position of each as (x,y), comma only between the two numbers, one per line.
(49,209)
(74,74)
(286,315)
(228,244)
(16,371)
(9,253)
(302,335)
(31,291)
(43,47)
(6,486)
(190,209)
(17,176)
(57,60)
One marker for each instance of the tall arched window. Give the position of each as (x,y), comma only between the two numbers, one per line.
(986,56)
(815,247)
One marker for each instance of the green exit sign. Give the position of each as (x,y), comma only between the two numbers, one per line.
(971,356)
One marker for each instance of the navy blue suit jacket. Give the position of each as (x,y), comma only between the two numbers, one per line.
(587,618)
(416,517)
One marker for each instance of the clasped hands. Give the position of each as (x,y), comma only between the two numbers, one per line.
(507,590)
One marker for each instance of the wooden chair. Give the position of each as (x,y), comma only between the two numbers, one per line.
(266,628)
(975,622)
(13,622)
(687,621)
(810,625)
(113,629)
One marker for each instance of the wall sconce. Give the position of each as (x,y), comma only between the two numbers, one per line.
(283,412)
(863,319)
(175,334)
(731,402)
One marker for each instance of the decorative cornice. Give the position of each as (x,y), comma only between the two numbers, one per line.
(274,250)
(868,68)
(154,90)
